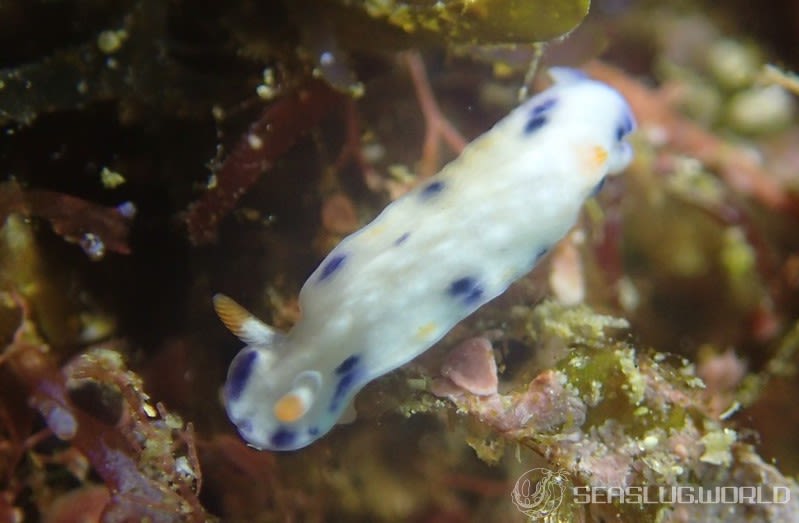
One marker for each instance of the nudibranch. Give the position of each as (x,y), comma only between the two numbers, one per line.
(390,290)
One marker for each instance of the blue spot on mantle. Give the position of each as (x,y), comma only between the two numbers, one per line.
(239,374)
(432,189)
(348,364)
(543,107)
(467,289)
(535,123)
(345,384)
(625,127)
(282,437)
(538,115)
(332,265)
(402,238)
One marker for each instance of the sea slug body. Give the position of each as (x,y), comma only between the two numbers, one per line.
(389,291)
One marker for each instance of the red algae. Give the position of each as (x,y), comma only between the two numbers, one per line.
(146,459)
(269,137)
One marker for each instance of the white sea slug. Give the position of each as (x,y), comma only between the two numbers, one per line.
(389,291)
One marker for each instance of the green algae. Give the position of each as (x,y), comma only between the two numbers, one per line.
(480,21)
